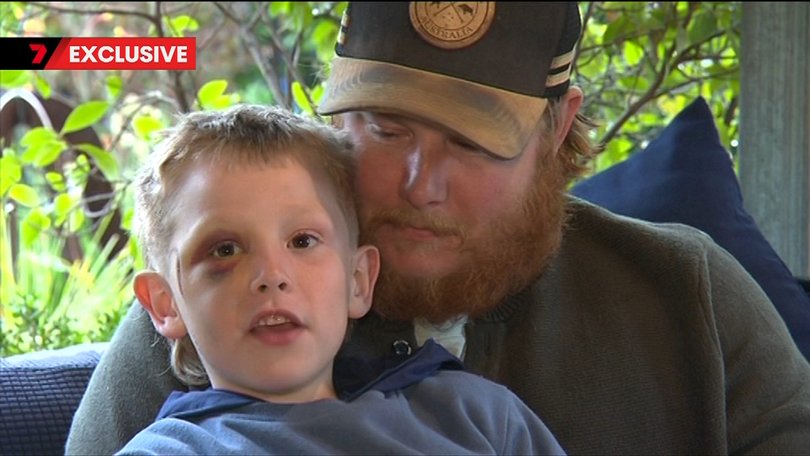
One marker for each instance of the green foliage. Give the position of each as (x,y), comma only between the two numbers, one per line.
(49,301)
(46,299)
(638,63)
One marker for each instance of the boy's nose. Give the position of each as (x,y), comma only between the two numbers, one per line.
(270,275)
(263,287)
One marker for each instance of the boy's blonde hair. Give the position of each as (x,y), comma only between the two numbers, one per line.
(244,135)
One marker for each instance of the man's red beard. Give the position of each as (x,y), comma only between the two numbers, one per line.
(515,250)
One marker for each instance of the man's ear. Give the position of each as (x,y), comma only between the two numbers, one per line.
(570,104)
(364,276)
(155,295)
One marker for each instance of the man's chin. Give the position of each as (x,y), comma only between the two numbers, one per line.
(419,266)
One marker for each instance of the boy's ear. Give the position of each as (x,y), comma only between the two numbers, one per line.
(366,269)
(155,295)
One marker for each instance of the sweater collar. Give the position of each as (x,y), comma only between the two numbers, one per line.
(352,378)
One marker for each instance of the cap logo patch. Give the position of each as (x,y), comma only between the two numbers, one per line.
(452,25)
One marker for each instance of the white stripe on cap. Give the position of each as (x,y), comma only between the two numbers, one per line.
(344,24)
(559,62)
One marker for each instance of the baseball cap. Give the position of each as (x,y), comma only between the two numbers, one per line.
(485,70)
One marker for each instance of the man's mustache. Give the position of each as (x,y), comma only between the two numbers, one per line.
(410,218)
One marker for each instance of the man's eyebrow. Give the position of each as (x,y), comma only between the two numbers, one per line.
(384,116)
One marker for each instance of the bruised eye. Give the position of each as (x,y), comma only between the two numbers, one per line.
(303,241)
(226,249)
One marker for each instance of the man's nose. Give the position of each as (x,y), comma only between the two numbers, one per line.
(425,180)
(271,273)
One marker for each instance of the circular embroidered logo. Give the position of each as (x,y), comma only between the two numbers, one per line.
(452,25)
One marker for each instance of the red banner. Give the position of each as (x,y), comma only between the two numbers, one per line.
(80,53)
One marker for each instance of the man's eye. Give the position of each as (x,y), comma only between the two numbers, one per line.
(303,241)
(469,147)
(226,249)
(382,133)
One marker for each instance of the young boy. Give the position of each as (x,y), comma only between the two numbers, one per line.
(247,223)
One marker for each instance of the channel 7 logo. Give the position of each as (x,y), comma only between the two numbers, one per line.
(27,53)
(40,50)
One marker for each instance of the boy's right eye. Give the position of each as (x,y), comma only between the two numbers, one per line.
(225,249)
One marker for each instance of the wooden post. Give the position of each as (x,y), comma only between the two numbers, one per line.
(774,151)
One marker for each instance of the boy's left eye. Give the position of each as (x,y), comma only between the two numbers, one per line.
(303,241)
(226,249)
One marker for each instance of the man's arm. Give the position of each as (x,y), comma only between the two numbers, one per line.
(767,378)
(127,389)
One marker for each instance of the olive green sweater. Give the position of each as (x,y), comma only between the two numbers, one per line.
(639,339)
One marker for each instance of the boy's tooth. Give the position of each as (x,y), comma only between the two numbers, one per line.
(273,320)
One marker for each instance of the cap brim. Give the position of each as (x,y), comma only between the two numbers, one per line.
(497,120)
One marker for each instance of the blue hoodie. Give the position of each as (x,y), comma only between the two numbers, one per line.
(426,404)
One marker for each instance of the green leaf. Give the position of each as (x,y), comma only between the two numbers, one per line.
(113,84)
(10,79)
(632,52)
(76,220)
(145,125)
(300,15)
(341,8)
(278,8)
(42,146)
(24,195)
(223,101)
(56,181)
(42,86)
(618,30)
(324,37)
(85,115)
(180,24)
(105,161)
(32,225)
(62,204)
(77,171)
(634,83)
(325,31)
(300,98)
(316,93)
(10,172)
(615,152)
(702,27)
(37,136)
(210,92)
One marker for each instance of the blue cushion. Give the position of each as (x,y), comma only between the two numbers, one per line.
(685,175)
(38,397)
